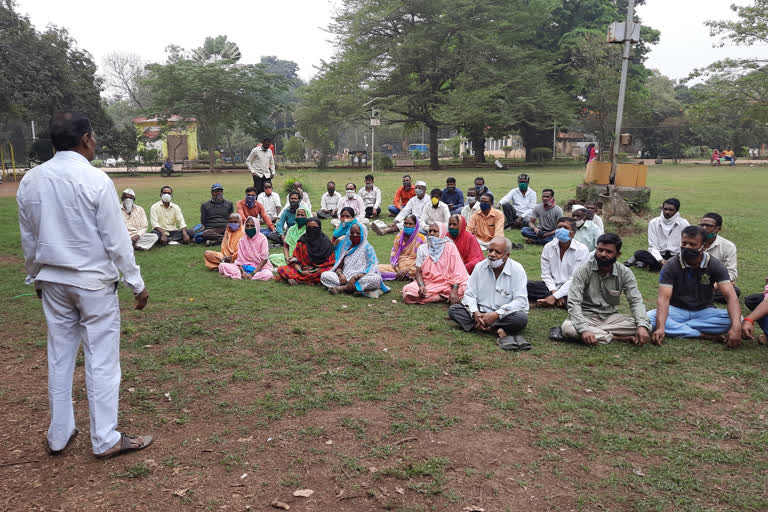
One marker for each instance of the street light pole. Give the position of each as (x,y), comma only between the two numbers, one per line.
(622,86)
(373,145)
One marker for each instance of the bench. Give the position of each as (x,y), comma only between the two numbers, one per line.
(404,163)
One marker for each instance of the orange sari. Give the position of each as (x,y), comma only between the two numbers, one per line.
(228,248)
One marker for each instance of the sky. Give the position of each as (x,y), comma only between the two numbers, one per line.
(294,29)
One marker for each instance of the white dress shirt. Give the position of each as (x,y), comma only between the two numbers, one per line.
(356,203)
(271,203)
(330,202)
(598,221)
(523,203)
(440,214)
(557,273)
(725,251)
(261,163)
(414,206)
(371,198)
(504,296)
(72,231)
(467,211)
(664,237)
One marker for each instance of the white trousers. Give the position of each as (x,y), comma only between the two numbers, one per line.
(146,241)
(93,316)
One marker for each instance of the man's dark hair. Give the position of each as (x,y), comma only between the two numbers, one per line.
(350,183)
(66,129)
(251,189)
(267,140)
(715,217)
(568,220)
(165,187)
(294,193)
(548,190)
(674,202)
(481,179)
(450,179)
(609,238)
(406,175)
(693,232)
(524,177)
(488,195)
(369,177)
(435,192)
(334,183)
(267,183)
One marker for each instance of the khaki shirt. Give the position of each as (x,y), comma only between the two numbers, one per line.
(166,219)
(136,221)
(592,294)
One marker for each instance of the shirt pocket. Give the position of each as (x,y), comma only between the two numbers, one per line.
(612,297)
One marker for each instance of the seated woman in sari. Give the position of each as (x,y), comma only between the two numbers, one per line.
(356,269)
(228,252)
(292,236)
(252,260)
(347,219)
(440,271)
(402,261)
(466,243)
(312,256)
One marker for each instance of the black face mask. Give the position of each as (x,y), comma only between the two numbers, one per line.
(689,254)
(294,205)
(605,263)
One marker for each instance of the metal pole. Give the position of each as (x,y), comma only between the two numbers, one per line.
(33,131)
(622,86)
(554,143)
(373,145)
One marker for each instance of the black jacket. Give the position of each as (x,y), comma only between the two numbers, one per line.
(214,215)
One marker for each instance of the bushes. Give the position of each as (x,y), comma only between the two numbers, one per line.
(97,163)
(540,154)
(382,161)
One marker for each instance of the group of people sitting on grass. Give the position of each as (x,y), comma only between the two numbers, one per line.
(454,252)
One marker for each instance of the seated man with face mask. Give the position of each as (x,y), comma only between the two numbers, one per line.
(487,223)
(547,212)
(135,220)
(415,206)
(495,299)
(352,200)
(251,207)
(559,260)
(213,216)
(586,230)
(518,203)
(167,220)
(663,238)
(686,286)
(472,205)
(593,301)
(436,211)
(720,248)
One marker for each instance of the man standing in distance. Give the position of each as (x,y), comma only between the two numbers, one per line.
(75,260)
(261,163)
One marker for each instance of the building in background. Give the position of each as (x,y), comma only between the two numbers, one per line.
(174,138)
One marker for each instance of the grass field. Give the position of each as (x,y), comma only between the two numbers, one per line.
(255,390)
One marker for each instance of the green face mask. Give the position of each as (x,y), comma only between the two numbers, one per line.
(454,232)
(522,186)
(250,232)
(301,221)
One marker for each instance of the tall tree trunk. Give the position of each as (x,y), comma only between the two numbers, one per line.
(212,150)
(534,138)
(434,163)
(477,139)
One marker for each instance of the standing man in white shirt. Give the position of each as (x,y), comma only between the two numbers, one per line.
(261,163)
(663,238)
(415,206)
(329,202)
(720,248)
(371,195)
(271,202)
(518,204)
(560,258)
(75,260)
(495,299)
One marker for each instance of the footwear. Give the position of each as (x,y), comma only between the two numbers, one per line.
(631,261)
(52,452)
(127,444)
(640,264)
(513,342)
(556,334)
(377,228)
(517,247)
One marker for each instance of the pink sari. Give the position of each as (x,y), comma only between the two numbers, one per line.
(250,251)
(439,276)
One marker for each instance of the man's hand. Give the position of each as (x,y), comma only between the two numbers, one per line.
(734,337)
(588,338)
(479,320)
(141,299)
(642,336)
(662,261)
(454,297)
(185,236)
(487,320)
(402,275)
(747,330)
(164,238)
(547,302)
(561,302)
(537,230)
(134,238)
(658,336)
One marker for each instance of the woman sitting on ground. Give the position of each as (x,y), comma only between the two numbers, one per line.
(312,256)
(356,269)
(347,218)
(292,236)
(402,261)
(466,243)
(252,260)
(440,271)
(228,253)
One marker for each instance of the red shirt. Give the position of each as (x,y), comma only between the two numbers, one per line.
(257,211)
(402,196)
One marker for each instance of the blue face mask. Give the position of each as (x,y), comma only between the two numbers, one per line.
(485,206)
(563,235)
(250,201)
(234,226)
(409,231)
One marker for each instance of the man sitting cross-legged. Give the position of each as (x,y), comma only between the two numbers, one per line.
(547,212)
(686,286)
(593,300)
(721,248)
(559,260)
(495,299)
(663,238)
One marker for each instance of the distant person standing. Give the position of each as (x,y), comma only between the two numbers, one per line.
(75,260)
(261,163)
(590,153)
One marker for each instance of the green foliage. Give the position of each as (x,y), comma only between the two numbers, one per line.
(294,150)
(149,156)
(97,163)
(383,161)
(541,154)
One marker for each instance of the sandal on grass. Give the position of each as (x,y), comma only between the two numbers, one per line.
(513,342)
(53,452)
(127,444)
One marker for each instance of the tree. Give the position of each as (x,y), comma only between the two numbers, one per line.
(215,92)
(294,150)
(123,73)
(217,49)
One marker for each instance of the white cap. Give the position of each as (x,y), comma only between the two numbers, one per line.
(420,183)
(577,207)
(129,191)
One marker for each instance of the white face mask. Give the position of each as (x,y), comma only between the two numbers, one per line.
(350,194)
(420,192)
(166,198)
(128,204)
(579,223)
(471,199)
(495,263)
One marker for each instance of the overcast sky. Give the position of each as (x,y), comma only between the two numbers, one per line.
(293,29)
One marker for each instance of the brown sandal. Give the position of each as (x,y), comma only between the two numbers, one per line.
(127,444)
(53,452)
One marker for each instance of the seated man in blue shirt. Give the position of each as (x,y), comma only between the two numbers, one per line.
(452,196)
(496,298)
